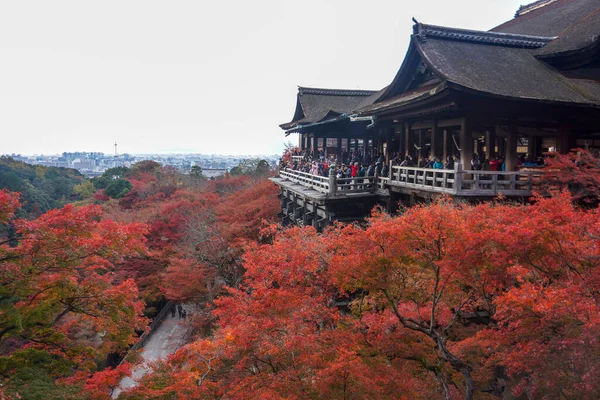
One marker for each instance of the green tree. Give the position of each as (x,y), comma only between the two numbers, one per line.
(118,188)
(108,176)
(262,168)
(84,190)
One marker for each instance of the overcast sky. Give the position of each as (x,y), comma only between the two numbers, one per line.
(195,76)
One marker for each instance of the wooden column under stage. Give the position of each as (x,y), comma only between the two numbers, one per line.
(466,143)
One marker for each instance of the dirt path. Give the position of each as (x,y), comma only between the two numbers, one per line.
(165,340)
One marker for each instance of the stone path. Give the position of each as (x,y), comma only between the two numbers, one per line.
(165,340)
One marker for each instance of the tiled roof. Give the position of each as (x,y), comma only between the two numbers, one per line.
(494,38)
(318,104)
(532,6)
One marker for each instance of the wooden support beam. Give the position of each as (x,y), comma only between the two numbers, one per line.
(490,144)
(316,147)
(406,140)
(436,141)
(445,145)
(466,143)
(422,124)
(511,146)
(562,139)
(447,123)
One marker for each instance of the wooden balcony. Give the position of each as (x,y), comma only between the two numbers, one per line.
(458,182)
(329,187)
(464,183)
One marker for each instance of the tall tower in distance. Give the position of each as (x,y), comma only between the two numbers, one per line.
(115,149)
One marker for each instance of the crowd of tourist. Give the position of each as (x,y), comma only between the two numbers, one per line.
(349,165)
(353,164)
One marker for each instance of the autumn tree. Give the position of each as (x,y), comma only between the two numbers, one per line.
(58,289)
(578,172)
(280,336)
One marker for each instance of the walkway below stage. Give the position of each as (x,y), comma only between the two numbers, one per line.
(171,334)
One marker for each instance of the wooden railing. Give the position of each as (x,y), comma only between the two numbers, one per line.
(331,185)
(315,182)
(456,182)
(465,182)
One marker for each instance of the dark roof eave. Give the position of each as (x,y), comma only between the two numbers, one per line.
(588,52)
(302,128)
(476,92)
(481,37)
(439,93)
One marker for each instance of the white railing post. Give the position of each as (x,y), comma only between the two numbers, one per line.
(476,182)
(332,181)
(457,178)
(376,181)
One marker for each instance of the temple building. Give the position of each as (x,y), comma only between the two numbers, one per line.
(526,87)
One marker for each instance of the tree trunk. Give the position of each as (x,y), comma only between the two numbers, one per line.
(457,364)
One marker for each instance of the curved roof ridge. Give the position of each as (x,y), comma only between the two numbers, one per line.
(485,37)
(532,6)
(335,92)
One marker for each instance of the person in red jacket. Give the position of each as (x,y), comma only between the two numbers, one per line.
(355,169)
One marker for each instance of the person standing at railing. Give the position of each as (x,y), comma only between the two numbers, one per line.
(494,164)
(450,162)
(437,164)
(370,172)
(475,162)
(408,162)
(315,168)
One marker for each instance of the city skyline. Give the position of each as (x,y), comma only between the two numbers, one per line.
(191,77)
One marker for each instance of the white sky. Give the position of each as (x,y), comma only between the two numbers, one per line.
(195,76)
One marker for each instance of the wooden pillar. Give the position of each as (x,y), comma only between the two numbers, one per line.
(325,145)
(466,143)
(437,141)
(365,148)
(531,140)
(511,146)
(490,144)
(562,139)
(301,140)
(501,143)
(406,140)
(389,139)
(478,145)
(419,149)
(445,138)
(339,149)
(401,142)
(315,147)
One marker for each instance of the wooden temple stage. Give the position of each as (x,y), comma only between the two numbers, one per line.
(516,92)
(315,200)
